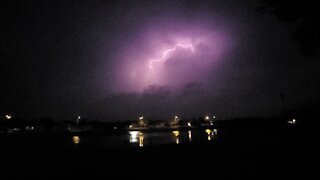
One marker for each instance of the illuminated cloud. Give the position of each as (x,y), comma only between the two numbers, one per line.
(172,55)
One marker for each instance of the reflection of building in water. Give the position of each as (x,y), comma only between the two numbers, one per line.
(189,135)
(176,134)
(136,137)
(75,140)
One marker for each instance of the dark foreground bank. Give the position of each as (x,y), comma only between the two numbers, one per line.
(240,151)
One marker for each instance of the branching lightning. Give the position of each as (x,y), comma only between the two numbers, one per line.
(169,51)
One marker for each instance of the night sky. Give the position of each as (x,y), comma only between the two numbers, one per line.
(229,58)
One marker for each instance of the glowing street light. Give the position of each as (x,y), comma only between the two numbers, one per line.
(141,118)
(293,121)
(8,116)
(189,124)
(207,117)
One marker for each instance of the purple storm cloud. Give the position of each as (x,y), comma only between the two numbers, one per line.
(171,55)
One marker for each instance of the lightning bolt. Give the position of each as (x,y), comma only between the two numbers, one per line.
(169,51)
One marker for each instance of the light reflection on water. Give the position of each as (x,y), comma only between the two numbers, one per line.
(176,135)
(142,139)
(136,137)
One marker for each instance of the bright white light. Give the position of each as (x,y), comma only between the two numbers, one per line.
(8,116)
(207,117)
(133,133)
(79,117)
(141,117)
(133,136)
(189,135)
(29,128)
(189,124)
(293,121)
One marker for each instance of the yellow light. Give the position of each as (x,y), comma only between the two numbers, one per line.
(209,132)
(141,137)
(76,139)
(176,133)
